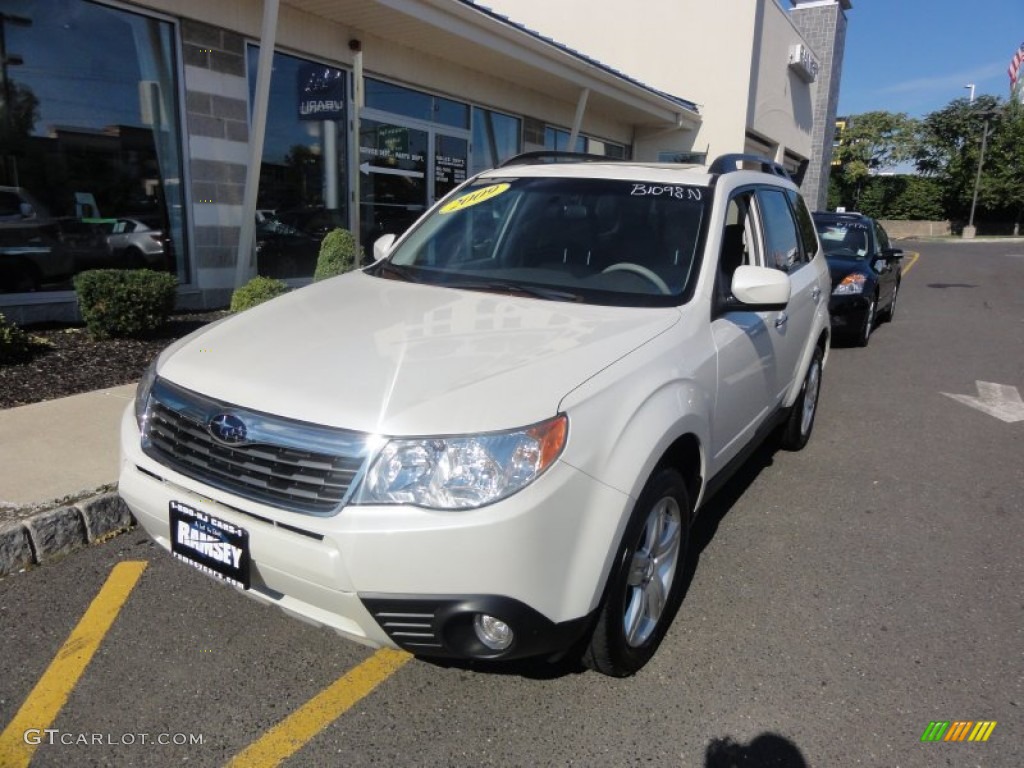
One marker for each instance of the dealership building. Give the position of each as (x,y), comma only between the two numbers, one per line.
(217,140)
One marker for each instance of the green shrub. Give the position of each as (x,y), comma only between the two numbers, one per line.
(256,291)
(117,303)
(338,254)
(16,346)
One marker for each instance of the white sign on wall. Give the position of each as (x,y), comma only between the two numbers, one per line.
(803,62)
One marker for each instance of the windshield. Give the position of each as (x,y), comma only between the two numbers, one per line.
(593,240)
(850,239)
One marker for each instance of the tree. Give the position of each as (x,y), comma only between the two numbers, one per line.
(902,196)
(19,113)
(871,142)
(946,149)
(1001,191)
(950,149)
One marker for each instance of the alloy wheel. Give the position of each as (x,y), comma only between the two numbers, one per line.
(652,570)
(869,324)
(812,387)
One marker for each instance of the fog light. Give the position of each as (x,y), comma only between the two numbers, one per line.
(492,632)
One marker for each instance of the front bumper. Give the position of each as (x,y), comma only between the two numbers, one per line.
(537,560)
(848,313)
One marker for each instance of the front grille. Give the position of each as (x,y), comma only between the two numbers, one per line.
(284,463)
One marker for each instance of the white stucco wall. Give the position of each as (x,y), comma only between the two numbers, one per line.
(728,57)
(781,106)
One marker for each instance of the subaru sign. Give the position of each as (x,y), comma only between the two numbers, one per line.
(321,91)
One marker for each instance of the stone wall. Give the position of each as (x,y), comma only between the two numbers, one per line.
(910,229)
(823,26)
(216,106)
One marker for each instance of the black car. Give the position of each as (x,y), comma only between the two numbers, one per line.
(865,272)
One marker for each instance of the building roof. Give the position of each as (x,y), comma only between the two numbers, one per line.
(684,103)
(476,37)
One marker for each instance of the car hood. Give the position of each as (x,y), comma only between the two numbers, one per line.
(388,357)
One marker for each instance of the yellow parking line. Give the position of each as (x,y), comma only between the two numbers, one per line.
(291,734)
(913,261)
(51,692)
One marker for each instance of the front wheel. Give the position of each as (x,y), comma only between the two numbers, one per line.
(797,429)
(644,590)
(891,312)
(869,324)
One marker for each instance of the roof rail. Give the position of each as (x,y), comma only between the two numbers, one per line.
(552,156)
(734,162)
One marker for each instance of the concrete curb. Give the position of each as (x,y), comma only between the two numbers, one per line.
(53,533)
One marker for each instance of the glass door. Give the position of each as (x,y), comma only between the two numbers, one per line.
(404,169)
(451,156)
(392,177)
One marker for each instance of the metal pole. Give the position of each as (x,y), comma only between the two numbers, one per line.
(971,86)
(243,264)
(5,83)
(577,121)
(977,179)
(358,102)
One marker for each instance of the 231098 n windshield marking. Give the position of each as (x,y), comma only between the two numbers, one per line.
(667,190)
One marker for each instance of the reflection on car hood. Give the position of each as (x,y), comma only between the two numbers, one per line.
(390,357)
(841,266)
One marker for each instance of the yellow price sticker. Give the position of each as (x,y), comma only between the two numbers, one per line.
(474,197)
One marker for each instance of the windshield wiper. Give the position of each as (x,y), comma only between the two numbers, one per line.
(512,289)
(402,273)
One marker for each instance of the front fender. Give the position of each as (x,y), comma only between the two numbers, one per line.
(622,421)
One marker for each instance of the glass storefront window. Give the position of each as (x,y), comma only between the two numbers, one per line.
(496,138)
(303,182)
(397,100)
(90,148)
(558,140)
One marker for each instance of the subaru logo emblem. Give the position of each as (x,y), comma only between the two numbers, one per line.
(227,428)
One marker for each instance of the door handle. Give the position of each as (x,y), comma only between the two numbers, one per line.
(815,294)
(781,319)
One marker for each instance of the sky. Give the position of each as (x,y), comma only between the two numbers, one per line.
(915,56)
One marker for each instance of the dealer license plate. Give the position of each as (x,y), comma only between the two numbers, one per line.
(214,546)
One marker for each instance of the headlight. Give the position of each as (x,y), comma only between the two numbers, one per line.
(142,394)
(462,472)
(850,284)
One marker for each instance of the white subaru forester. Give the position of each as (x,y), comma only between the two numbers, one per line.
(491,443)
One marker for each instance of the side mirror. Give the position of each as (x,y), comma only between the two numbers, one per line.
(892,254)
(27,211)
(759,289)
(382,245)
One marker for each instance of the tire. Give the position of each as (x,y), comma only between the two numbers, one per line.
(869,324)
(890,313)
(644,589)
(800,422)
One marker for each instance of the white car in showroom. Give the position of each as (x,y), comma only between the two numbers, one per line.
(492,442)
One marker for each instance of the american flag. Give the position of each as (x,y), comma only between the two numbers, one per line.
(1015,65)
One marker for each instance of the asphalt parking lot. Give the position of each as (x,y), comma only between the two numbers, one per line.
(841,600)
